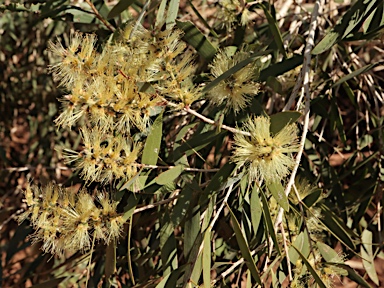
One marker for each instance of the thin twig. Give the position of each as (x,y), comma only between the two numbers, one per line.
(185,168)
(305,73)
(97,14)
(27,168)
(150,206)
(286,252)
(218,212)
(212,122)
(234,265)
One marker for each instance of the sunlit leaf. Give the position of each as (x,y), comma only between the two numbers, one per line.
(244,248)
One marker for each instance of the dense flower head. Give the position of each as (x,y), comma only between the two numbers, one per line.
(235,91)
(108,88)
(105,157)
(67,221)
(266,156)
(228,12)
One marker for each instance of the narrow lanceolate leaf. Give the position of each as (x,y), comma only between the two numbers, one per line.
(314,274)
(256,209)
(328,253)
(274,30)
(282,119)
(234,69)
(152,144)
(349,23)
(336,226)
(353,275)
(302,243)
(331,257)
(173,9)
(244,248)
(207,259)
(169,175)
(367,255)
(269,223)
(160,16)
(357,72)
(119,8)
(197,40)
(217,182)
(280,68)
(277,191)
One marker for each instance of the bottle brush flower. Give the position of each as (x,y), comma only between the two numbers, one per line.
(266,156)
(69,221)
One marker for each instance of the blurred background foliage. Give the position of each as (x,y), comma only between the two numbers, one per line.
(160,245)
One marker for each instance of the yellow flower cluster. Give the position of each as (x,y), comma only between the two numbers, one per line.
(229,11)
(105,157)
(234,92)
(121,87)
(68,221)
(266,156)
(118,90)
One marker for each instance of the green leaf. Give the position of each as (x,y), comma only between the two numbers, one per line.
(312,198)
(197,40)
(302,243)
(131,206)
(352,274)
(282,119)
(367,255)
(349,23)
(121,6)
(183,202)
(207,258)
(170,280)
(275,84)
(234,69)
(197,142)
(310,268)
(277,191)
(280,68)
(357,72)
(331,257)
(168,246)
(336,119)
(256,209)
(191,230)
(268,220)
(375,20)
(328,253)
(152,144)
(169,175)
(202,19)
(160,16)
(244,248)
(337,227)
(273,26)
(173,9)
(217,182)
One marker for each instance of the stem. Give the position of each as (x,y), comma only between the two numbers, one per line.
(212,122)
(185,169)
(97,14)
(305,73)
(150,206)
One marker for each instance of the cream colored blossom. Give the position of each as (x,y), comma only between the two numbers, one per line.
(266,156)
(105,157)
(236,91)
(67,221)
